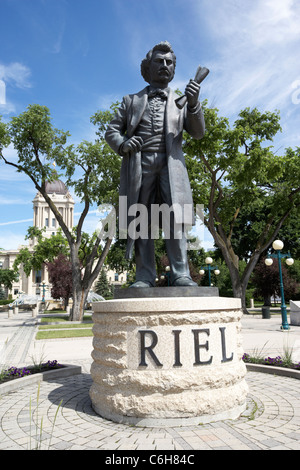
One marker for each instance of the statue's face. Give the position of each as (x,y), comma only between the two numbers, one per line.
(161,68)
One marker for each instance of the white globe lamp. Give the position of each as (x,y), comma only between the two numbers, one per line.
(278,245)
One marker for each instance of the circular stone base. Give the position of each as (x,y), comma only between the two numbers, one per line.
(168,361)
(233,413)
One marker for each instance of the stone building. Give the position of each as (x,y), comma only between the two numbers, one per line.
(43,217)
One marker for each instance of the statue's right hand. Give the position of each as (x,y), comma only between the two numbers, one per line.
(132,145)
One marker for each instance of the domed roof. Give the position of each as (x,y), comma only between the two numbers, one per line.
(57,187)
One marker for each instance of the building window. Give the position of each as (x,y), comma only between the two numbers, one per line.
(53,222)
(47,222)
(116,276)
(38,277)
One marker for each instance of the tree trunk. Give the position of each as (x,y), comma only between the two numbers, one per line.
(78,297)
(82,284)
(239,291)
(66,303)
(79,300)
(238,286)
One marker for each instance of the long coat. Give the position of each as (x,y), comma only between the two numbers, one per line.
(123,126)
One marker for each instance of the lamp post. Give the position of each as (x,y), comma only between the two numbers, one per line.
(166,274)
(43,285)
(278,245)
(209,268)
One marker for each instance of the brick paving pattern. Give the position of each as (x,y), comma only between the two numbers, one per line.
(271,421)
(32,417)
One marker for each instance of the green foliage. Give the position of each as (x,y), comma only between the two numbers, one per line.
(37,142)
(248,191)
(44,250)
(116,259)
(91,169)
(103,287)
(266,281)
(110,162)
(2,294)
(232,168)
(7,277)
(4,136)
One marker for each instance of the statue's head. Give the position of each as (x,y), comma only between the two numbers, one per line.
(162,48)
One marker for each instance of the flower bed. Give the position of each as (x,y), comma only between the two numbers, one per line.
(18,372)
(271,361)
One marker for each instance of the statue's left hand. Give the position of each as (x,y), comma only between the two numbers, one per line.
(192,93)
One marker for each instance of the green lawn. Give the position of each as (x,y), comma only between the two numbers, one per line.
(60,327)
(64,326)
(66,333)
(63,317)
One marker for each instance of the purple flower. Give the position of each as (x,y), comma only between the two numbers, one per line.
(273,361)
(52,364)
(18,372)
(246,357)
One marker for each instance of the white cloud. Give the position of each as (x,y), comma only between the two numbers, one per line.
(11,201)
(9,240)
(105,101)
(10,174)
(57,46)
(255,45)
(6,107)
(16,73)
(16,221)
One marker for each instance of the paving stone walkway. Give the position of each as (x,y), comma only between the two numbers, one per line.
(57,415)
(271,421)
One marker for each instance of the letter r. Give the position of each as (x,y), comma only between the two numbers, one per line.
(149,349)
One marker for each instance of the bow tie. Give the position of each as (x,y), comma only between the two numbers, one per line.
(158,92)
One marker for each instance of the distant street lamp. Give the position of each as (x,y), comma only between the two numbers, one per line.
(167,274)
(43,285)
(209,268)
(278,245)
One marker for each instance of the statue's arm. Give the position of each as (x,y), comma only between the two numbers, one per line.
(115,134)
(194,121)
(194,118)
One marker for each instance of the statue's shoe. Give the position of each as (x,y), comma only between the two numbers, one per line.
(141,284)
(184,281)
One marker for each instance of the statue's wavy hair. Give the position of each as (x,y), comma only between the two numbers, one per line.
(163,46)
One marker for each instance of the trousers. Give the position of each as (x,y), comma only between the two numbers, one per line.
(155,176)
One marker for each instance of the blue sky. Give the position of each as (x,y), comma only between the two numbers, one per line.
(78,56)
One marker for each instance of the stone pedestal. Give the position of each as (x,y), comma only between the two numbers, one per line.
(295,313)
(146,292)
(168,361)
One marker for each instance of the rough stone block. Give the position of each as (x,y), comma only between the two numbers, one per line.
(295,313)
(160,361)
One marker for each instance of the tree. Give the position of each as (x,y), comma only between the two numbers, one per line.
(102,286)
(2,293)
(7,277)
(266,281)
(233,170)
(91,169)
(60,276)
(44,250)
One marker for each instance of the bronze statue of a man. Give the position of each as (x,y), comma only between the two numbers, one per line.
(147,132)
